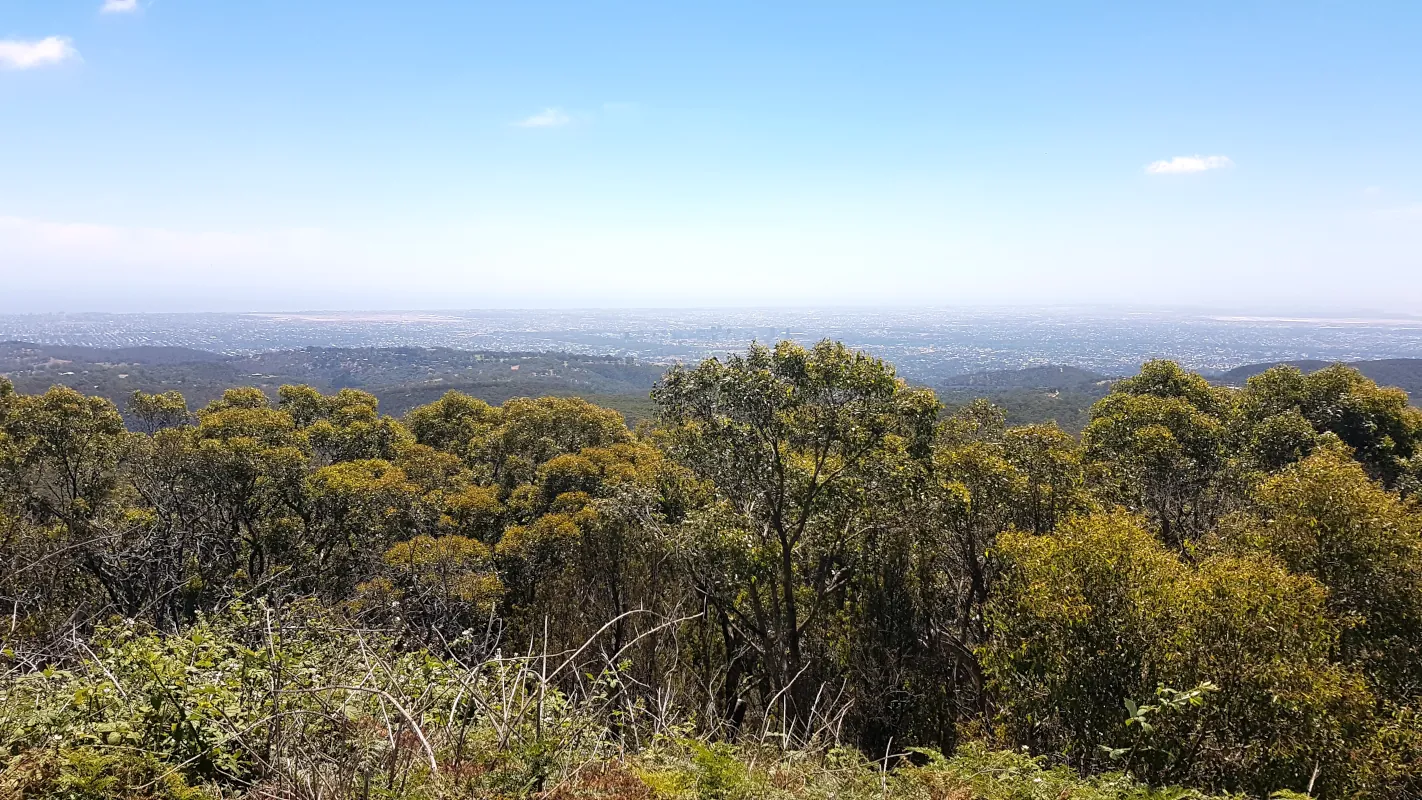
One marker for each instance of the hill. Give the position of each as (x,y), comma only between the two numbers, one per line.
(1403,373)
(1048,377)
(143,354)
(402,377)
(406,377)
(1059,394)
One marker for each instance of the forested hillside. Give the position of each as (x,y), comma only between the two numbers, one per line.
(1064,395)
(1404,373)
(802,579)
(1056,394)
(400,377)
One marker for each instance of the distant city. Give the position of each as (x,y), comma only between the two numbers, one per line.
(926,344)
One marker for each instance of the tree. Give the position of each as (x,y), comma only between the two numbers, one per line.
(1161,440)
(154,412)
(346,426)
(441,590)
(1051,461)
(355,510)
(1102,616)
(507,444)
(1324,518)
(60,454)
(591,559)
(1218,587)
(1378,424)
(453,423)
(789,438)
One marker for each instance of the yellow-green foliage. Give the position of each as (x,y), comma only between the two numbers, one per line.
(260,703)
(803,580)
(1101,613)
(1324,518)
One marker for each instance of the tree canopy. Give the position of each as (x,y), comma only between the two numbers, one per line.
(1211,587)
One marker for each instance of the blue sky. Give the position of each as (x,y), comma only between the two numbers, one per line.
(184,155)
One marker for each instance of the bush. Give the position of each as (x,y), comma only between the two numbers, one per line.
(1100,620)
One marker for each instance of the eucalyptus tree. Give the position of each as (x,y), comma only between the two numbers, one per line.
(1160,442)
(1383,431)
(1324,518)
(791,439)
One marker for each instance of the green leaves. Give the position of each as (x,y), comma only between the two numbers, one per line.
(1379,426)
(801,551)
(798,445)
(1104,609)
(1169,701)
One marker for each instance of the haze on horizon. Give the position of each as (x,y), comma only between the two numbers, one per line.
(275,155)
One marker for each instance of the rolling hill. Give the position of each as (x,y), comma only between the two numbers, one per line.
(1059,394)
(1048,377)
(406,377)
(1404,373)
(402,377)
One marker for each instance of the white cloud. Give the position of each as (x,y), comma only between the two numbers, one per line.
(119,6)
(16,54)
(547,118)
(1181,164)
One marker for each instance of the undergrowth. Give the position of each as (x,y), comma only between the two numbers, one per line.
(255,704)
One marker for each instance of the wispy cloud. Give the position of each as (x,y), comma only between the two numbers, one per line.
(1181,164)
(17,54)
(547,118)
(25,239)
(119,6)
(1410,212)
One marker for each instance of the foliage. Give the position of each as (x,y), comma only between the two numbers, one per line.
(1103,610)
(805,579)
(1377,423)
(790,439)
(1161,441)
(1324,518)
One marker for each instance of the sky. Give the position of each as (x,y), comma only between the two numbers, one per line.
(168,155)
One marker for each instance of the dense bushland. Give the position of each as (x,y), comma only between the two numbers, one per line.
(804,580)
